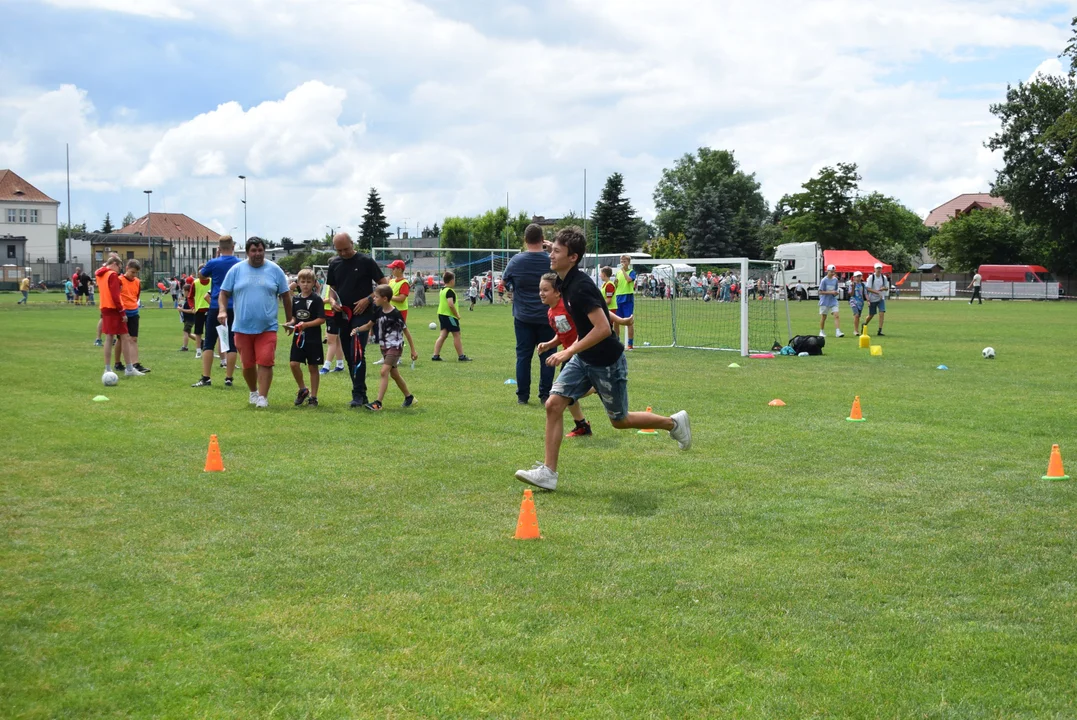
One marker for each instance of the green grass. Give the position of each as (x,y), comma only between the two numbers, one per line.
(790,564)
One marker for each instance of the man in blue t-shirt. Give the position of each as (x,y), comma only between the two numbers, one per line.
(215,270)
(521,277)
(255,284)
(828,302)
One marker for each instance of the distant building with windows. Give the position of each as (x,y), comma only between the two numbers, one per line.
(26,212)
(176,242)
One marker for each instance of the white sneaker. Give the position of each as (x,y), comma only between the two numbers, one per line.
(539,475)
(682,430)
(197,353)
(224,363)
(254,397)
(261,402)
(822,333)
(378,362)
(133,372)
(839,333)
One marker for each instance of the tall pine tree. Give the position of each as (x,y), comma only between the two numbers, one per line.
(710,226)
(614,219)
(106,227)
(374,232)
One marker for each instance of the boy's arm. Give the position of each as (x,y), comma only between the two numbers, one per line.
(600,331)
(549,344)
(452,308)
(365,327)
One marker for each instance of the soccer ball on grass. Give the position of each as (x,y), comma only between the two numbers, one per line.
(109,378)
(989,353)
(433,326)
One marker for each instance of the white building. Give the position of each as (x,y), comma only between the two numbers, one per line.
(26,211)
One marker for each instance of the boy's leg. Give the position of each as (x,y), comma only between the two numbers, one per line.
(574,410)
(837,324)
(457,344)
(297,373)
(440,341)
(383,385)
(315,378)
(108,352)
(555,428)
(394,373)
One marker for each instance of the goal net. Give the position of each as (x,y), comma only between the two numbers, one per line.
(732,304)
(465,263)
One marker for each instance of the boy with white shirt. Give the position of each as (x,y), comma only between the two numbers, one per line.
(828,302)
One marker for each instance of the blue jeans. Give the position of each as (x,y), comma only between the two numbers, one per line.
(610,383)
(528,336)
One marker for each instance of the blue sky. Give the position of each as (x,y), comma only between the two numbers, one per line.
(447,105)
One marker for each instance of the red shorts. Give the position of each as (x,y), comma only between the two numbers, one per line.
(404,314)
(112,322)
(257,349)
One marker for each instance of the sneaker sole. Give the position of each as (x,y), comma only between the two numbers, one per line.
(688,427)
(522,478)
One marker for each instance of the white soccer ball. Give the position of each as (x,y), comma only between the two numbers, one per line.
(433,326)
(706,298)
(110,378)
(989,353)
(646,344)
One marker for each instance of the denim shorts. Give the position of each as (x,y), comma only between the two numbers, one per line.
(877,307)
(610,383)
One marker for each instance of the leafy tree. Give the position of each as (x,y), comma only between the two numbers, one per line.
(128,218)
(992,236)
(889,230)
(666,246)
(614,219)
(287,243)
(710,231)
(676,194)
(294,263)
(374,231)
(824,211)
(106,227)
(1038,140)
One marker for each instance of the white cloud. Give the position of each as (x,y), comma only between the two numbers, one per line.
(444,118)
(1048,68)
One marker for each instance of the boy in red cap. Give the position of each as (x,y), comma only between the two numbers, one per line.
(401,290)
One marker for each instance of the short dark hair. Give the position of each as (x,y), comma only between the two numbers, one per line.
(572,239)
(254,240)
(385,291)
(448,277)
(551,277)
(533,234)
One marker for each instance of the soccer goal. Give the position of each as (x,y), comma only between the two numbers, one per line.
(465,263)
(733,304)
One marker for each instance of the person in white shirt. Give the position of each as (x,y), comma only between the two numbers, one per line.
(877,287)
(977,279)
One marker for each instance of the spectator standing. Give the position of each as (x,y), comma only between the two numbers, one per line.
(529,316)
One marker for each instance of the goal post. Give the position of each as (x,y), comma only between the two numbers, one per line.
(731,304)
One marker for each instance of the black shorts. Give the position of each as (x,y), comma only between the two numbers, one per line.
(311,352)
(132,325)
(199,322)
(331,325)
(448,322)
(209,340)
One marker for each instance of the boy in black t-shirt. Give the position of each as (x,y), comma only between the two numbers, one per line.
(308,316)
(391,327)
(596,360)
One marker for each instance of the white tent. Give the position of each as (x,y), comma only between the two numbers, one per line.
(663,271)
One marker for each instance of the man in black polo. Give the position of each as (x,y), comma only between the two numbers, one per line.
(352,277)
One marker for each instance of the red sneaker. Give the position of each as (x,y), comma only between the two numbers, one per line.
(581,430)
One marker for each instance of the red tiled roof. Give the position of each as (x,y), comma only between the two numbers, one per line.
(171,226)
(961,204)
(14,189)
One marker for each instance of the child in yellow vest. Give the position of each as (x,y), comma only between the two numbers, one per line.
(449,319)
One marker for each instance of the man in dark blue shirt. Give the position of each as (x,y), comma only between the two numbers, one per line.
(522,277)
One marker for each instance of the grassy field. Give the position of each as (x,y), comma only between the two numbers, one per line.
(348,564)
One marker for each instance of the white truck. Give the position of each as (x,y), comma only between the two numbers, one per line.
(801,263)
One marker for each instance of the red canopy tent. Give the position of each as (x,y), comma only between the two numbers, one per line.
(847,261)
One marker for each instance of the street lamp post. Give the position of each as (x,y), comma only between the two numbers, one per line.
(244,179)
(149,234)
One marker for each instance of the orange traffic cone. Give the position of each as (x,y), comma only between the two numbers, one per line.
(776,402)
(650,431)
(213,456)
(1054,466)
(855,415)
(527,525)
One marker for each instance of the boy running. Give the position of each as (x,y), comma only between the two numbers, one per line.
(564,335)
(391,329)
(596,360)
(308,316)
(449,318)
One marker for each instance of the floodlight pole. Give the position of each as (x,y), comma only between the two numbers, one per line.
(149,234)
(244,179)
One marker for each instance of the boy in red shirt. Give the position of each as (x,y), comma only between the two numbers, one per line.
(565,335)
(113,318)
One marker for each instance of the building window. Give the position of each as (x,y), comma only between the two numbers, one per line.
(130,254)
(22,215)
(11,251)
(99,256)
(164,257)
(11,215)
(33,216)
